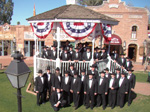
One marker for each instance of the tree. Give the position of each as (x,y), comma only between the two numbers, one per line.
(6,11)
(90,2)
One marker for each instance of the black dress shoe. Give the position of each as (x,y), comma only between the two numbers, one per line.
(104,108)
(87,107)
(129,104)
(76,108)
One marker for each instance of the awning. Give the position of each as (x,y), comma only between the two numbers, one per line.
(115,40)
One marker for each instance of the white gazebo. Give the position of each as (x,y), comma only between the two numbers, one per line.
(77,22)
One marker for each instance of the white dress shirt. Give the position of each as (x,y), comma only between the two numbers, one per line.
(59,78)
(74,80)
(82,78)
(49,76)
(117,76)
(90,83)
(42,79)
(111,82)
(76,55)
(54,52)
(120,81)
(127,63)
(101,80)
(66,79)
(88,55)
(106,75)
(129,76)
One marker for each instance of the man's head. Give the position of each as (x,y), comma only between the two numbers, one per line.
(48,69)
(40,72)
(102,74)
(66,74)
(113,75)
(83,72)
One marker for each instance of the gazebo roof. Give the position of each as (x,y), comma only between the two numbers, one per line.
(72,12)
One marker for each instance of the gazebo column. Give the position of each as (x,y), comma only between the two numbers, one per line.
(93,43)
(58,45)
(35,61)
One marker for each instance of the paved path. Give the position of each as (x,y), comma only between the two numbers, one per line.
(142,88)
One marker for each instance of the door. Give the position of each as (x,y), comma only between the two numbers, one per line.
(132,52)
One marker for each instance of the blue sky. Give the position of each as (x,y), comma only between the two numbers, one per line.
(23,9)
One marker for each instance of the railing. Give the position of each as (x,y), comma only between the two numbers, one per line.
(64,65)
(112,65)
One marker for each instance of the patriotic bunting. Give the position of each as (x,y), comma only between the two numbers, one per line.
(148,34)
(106,31)
(41,29)
(78,30)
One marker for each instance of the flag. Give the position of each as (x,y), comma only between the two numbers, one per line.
(148,34)
(78,30)
(41,29)
(106,31)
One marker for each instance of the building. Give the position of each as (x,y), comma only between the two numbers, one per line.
(130,33)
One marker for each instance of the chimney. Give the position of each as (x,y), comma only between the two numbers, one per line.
(34,13)
(68,2)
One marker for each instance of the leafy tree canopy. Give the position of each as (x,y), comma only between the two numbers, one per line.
(6,11)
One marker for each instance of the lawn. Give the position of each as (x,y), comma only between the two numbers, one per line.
(8,100)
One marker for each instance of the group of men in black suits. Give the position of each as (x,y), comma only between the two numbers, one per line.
(88,88)
(67,53)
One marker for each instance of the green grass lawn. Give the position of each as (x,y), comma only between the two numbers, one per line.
(8,100)
(141,76)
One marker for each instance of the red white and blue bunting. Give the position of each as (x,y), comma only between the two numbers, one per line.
(106,31)
(41,29)
(148,34)
(78,30)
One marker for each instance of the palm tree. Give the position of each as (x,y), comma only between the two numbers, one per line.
(90,2)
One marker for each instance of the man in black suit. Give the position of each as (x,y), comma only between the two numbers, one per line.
(107,74)
(122,90)
(118,74)
(76,56)
(94,72)
(72,70)
(81,48)
(57,100)
(83,78)
(65,56)
(66,86)
(113,86)
(57,79)
(40,88)
(115,55)
(87,55)
(67,45)
(53,53)
(48,78)
(132,79)
(121,60)
(71,52)
(128,64)
(45,53)
(103,54)
(75,89)
(96,54)
(102,90)
(61,51)
(90,90)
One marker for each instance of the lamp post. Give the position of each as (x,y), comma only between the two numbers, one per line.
(14,41)
(18,73)
(144,44)
(124,45)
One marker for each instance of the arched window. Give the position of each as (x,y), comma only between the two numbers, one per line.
(134,32)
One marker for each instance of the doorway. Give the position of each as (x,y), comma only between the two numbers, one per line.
(132,52)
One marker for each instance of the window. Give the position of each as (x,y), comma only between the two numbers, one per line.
(148,27)
(134,32)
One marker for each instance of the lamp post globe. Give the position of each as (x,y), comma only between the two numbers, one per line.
(18,73)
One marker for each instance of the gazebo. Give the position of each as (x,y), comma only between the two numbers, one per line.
(77,22)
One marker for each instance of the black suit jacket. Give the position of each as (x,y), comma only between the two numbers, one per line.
(71,53)
(64,86)
(114,85)
(124,86)
(129,66)
(120,61)
(54,98)
(104,85)
(71,73)
(52,56)
(93,88)
(45,54)
(56,82)
(115,56)
(103,56)
(48,84)
(39,85)
(95,73)
(76,87)
(76,58)
(65,58)
(84,56)
(96,55)
(132,81)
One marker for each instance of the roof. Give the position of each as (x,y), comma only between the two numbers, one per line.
(71,12)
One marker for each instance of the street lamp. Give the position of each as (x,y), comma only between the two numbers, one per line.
(144,44)
(124,45)
(18,73)
(14,41)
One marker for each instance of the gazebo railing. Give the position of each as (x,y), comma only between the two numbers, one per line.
(64,65)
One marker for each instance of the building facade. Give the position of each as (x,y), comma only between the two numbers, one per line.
(132,28)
